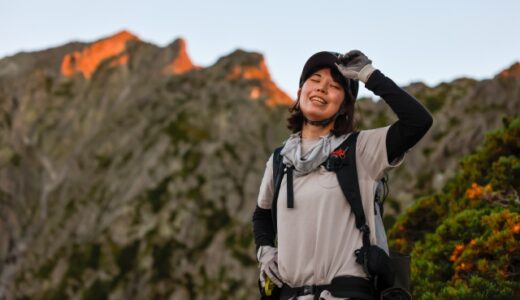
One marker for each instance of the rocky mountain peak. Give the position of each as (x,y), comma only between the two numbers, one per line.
(181,61)
(88,59)
(256,69)
(512,71)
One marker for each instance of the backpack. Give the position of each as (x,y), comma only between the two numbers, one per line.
(389,271)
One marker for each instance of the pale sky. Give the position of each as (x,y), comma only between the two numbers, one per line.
(429,41)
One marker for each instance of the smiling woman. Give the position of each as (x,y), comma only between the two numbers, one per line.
(324,243)
(331,94)
(320,96)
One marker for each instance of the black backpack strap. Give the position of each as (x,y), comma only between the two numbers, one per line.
(278,171)
(290,189)
(348,181)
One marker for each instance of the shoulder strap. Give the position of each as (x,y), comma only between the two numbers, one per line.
(348,179)
(278,171)
(277,160)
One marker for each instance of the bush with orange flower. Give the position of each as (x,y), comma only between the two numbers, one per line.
(465,241)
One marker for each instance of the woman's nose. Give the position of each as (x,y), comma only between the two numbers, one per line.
(322,87)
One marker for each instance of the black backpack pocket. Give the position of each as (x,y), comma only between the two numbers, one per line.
(378,264)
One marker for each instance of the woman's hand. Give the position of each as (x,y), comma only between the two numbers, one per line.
(355,65)
(268,258)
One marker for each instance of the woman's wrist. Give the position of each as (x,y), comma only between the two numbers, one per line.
(365,73)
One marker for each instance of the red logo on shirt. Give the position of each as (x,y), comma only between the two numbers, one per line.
(338,153)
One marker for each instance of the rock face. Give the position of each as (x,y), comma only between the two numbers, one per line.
(180,61)
(260,73)
(88,59)
(127,181)
(128,172)
(513,71)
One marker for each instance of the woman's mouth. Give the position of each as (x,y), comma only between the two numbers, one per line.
(318,100)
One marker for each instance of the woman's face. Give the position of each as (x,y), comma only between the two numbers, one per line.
(320,96)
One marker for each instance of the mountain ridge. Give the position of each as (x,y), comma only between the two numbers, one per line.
(133,183)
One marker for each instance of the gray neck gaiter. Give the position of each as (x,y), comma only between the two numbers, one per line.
(314,157)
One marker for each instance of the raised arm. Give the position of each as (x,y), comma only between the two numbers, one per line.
(414,119)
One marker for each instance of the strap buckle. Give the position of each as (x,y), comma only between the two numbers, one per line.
(365,229)
(308,290)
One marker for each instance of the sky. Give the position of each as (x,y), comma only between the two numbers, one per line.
(409,41)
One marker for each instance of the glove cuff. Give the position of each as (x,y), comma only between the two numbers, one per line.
(263,250)
(365,72)
(259,253)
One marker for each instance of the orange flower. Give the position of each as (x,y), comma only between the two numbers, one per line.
(516,228)
(476,190)
(464,266)
(456,252)
(453,258)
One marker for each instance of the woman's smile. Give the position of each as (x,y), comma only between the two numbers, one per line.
(318,100)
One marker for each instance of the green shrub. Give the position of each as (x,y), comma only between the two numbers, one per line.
(465,241)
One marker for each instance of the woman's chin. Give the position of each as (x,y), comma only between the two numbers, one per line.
(316,117)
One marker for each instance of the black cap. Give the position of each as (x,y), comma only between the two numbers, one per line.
(327,59)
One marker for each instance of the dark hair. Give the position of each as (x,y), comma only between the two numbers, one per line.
(342,125)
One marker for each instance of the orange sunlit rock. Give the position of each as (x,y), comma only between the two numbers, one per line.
(87,60)
(278,97)
(274,95)
(255,93)
(512,71)
(121,60)
(181,63)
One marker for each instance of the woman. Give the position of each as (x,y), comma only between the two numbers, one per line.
(317,234)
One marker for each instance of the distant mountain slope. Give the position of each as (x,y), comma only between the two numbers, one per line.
(132,182)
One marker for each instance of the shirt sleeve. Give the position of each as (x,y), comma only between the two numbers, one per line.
(371,146)
(265,194)
(414,120)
